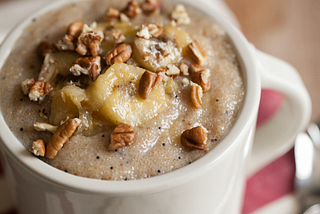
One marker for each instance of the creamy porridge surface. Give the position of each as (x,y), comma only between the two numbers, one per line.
(156,148)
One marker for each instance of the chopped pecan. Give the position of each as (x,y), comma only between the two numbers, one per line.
(154,30)
(172,71)
(89,41)
(38,148)
(124,18)
(67,43)
(90,66)
(132,9)
(196,95)
(112,14)
(184,68)
(149,30)
(121,53)
(180,15)
(151,6)
(196,52)
(39,90)
(195,138)
(144,33)
(74,29)
(185,81)
(45,47)
(26,85)
(147,82)
(61,136)
(200,76)
(40,126)
(122,136)
(118,37)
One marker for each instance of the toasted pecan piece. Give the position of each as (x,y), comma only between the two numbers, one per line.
(195,138)
(151,6)
(196,52)
(122,136)
(200,76)
(112,14)
(196,95)
(120,53)
(147,82)
(38,148)
(39,90)
(61,136)
(132,9)
(90,66)
(180,15)
(45,47)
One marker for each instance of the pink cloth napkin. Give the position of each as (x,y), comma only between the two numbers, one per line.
(270,183)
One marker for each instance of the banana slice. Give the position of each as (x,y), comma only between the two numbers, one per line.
(155,52)
(72,102)
(115,94)
(178,35)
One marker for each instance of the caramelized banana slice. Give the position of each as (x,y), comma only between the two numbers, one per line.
(155,52)
(116,94)
(72,102)
(178,35)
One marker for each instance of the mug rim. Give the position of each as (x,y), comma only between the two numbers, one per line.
(244,121)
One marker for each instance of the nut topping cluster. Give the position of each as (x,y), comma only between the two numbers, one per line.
(166,53)
(89,66)
(89,41)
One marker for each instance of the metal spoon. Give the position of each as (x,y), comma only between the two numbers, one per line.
(307,179)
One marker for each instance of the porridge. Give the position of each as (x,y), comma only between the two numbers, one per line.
(121,90)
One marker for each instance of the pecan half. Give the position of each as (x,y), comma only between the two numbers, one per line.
(195,138)
(39,90)
(122,136)
(151,6)
(89,41)
(61,136)
(180,15)
(132,9)
(38,148)
(74,29)
(90,66)
(200,76)
(45,47)
(112,14)
(196,52)
(147,82)
(121,53)
(196,95)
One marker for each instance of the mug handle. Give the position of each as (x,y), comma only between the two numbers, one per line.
(276,136)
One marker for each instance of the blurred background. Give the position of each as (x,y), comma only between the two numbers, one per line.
(288,29)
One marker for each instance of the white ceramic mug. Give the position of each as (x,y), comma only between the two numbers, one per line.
(212,184)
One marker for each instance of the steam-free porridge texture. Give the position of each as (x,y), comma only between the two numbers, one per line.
(121,90)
